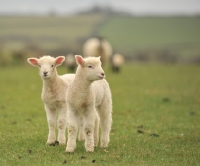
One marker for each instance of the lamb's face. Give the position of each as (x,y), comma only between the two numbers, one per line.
(46,67)
(93,70)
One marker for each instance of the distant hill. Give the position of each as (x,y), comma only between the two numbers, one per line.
(137,38)
(104,10)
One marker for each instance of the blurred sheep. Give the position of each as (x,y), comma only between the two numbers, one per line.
(116,62)
(98,46)
(70,62)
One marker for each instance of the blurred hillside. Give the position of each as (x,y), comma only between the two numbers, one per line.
(161,39)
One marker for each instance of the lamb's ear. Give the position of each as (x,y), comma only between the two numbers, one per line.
(99,57)
(59,60)
(33,61)
(79,60)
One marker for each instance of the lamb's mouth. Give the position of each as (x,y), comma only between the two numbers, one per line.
(101,77)
(45,76)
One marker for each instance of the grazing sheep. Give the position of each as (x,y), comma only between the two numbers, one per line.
(70,62)
(98,47)
(53,94)
(85,98)
(117,62)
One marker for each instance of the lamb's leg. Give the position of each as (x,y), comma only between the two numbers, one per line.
(81,132)
(105,114)
(89,121)
(72,131)
(61,124)
(96,131)
(51,120)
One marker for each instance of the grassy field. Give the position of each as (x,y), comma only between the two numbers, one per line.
(156,111)
(130,34)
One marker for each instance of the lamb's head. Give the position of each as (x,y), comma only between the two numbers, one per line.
(90,67)
(47,65)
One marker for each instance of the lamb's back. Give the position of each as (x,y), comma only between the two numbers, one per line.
(68,78)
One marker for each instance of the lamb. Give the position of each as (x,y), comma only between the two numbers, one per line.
(117,62)
(70,62)
(93,101)
(98,46)
(53,94)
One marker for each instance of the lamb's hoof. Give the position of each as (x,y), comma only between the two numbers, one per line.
(51,142)
(104,145)
(90,150)
(62,142)
(69,150)
(56,143)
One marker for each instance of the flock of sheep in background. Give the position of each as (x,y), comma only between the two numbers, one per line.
(83,100)
(96,47)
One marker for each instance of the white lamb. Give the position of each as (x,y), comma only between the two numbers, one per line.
(85,97)
(53,94)
(70,62)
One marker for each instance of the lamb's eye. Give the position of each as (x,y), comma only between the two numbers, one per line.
(51,65)
(89,66)
(39,65)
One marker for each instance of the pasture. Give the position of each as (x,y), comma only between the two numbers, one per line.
(129,34)
(156,111)
(175,39)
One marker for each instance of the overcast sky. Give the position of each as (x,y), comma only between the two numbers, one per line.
(70,7)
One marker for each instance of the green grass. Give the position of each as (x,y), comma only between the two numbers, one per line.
(162,100)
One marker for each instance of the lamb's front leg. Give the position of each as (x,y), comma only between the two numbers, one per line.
(62,124)
(51,120)
(72,126)
(89,121)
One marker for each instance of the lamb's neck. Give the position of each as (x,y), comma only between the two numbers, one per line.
(82,83)
(51,82)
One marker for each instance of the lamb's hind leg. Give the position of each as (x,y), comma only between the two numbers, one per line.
(61,124)
(81,130)
(105,114)
(51,120)
(96,131)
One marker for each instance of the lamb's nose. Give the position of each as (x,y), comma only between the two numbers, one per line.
(45,73)
(102,74)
